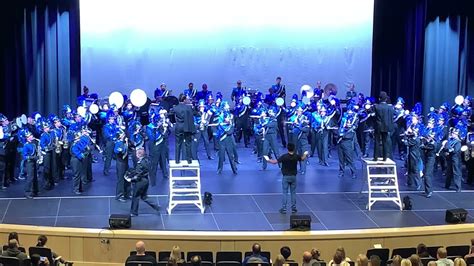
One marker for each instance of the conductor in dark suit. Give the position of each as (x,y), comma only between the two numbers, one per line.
(383,127)
(184,128)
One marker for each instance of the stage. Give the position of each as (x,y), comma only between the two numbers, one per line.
(248,201)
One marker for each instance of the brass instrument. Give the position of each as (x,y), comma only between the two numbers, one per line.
(93,142)
(443,145)
(39,152)
(202,125)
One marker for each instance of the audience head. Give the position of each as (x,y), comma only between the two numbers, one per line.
(415,260)
(362,260)
(442,253)
(279,261)
(13,235)
(42,239)
(12,244)
(338,257)
(374,260)
(405,262)
(396,260)
(256,249)
(285,252)
(140,248)
(459,262)
(432,263)
(176,253)
(196,260)
(315,254)
(422,250)
(342,250)
(307,256)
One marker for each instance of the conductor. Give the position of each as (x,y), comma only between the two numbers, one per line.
(184,128)
(383,127)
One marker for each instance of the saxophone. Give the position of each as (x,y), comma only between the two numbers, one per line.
(39,152)
(57,145)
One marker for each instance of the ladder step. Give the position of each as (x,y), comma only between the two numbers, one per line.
(184,178)
(182,194)
(385,199)
(187,202)
(382,176)
(173,190)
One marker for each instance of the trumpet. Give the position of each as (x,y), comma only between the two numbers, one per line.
(94,143)
(443,145)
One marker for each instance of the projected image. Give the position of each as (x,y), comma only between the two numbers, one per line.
(140,44)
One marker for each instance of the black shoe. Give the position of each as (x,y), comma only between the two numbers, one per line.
(429,195)
(354,176)
(340,175)
(121,200)
(282,211)
(294,210)
(219,171)
(77,192)
(133,214)
(210,157)
(303,172)
(29,196)
(21,178)
(3,188)
(325,164)
(237,162)
(458,190)
(418,188)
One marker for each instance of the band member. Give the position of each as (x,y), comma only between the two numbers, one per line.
(139,180)
(279,89)
(383,128)
(366,125)
(351,93)
(10,145)
(300,134)
(237,92)
(4,138)
(191,92)
(157,133)
(320,122)
(32,156)
(259,130)
(346,155)
(224,133)
(136,140)
(428,154)
(399,123)
(184,128)
(290,113)
(442,133)
(60,141)
(201,120)
(470,156)
(411,139)
(452,150)
(47,148)
(128,113)
(79,151)
(269,138)
(226,109)
(161,92)
(110,130)
(241,114)
(203,94)
(122,192)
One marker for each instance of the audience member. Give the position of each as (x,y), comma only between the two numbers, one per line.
(442,255)
(405,262)
(459,262)
(279,261)
(432,263)
(374,260)
(13,251)
(316,254)
(37,261)
(396,260)
(176,255)
(415,260)
(470,255)
(286,253)
(42,239)
(362,260)
(13,235)
(342,251)
(195,260)
(255,257)
(141,256)
(338,259)
(422,251)
(307,258)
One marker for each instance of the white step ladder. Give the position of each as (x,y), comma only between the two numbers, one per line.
(382,182)
(185,189)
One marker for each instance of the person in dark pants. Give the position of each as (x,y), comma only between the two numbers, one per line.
(241,114)
(452,151)
(289,164)
(4,139)
(109,136)
(346,155)
(139,180)
(157,132)
(412,141)
(383,127)
(47,147)
(184,128)
(121,152)
(428,155)
(224,133)
(78,155)
(31,156)
(270,139)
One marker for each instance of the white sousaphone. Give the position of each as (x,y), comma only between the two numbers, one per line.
(306,93)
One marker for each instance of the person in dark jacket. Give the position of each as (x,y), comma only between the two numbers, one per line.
(184,128)
(13,251)
(383,127)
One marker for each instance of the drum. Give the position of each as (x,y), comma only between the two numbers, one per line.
(279,101)
(246,100)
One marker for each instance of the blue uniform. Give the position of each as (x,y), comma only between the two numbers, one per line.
(121,152)
(30,155)
(110,131)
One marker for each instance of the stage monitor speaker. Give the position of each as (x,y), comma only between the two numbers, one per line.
(455,216)
(120,221)
(300,222)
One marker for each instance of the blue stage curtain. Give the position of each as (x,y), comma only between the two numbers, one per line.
(422,50)
(40,56)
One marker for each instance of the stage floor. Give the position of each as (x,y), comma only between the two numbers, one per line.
(248,201)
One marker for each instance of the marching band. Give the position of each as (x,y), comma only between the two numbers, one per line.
(316,122)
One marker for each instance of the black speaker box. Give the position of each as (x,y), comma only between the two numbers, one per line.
(300,222)
(455,216)
(120,221)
